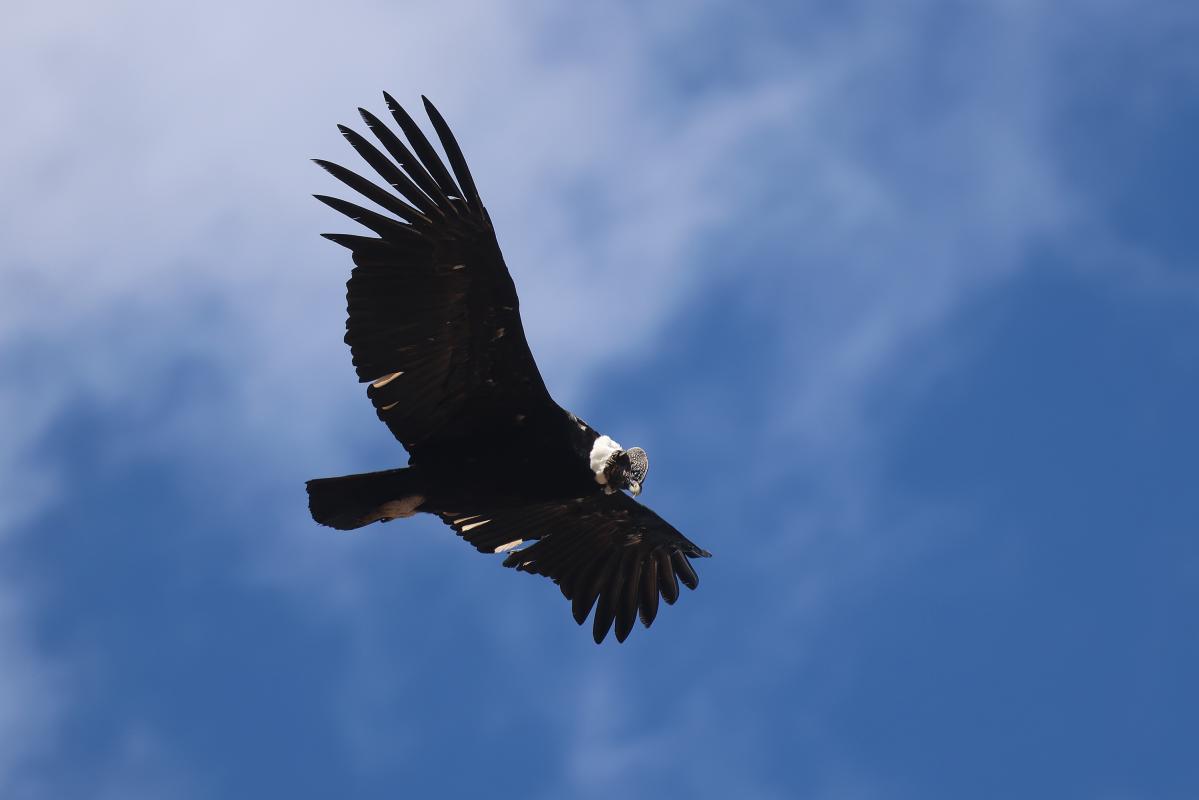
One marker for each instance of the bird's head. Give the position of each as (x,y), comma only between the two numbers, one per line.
(626,469)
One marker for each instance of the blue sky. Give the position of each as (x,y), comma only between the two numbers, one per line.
(902,300)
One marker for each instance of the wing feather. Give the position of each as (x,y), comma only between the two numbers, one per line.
(630,595)
(387,170)
(606,552)
(430,296)
(385,226)
(588,589)
(649,590)
(372,192)
(446,188)
(668,584)
(454,153)
(682,568)
(605,609)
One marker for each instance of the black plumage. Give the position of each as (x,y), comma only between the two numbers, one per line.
(434,328)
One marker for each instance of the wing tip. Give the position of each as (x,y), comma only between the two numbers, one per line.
(339,239)
(332,202)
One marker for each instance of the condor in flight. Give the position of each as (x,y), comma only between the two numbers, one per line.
(434,327)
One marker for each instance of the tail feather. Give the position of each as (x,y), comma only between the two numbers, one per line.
(351,501)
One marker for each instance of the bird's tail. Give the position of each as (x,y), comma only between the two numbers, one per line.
(352,501)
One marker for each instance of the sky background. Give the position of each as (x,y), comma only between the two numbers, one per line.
(901,298)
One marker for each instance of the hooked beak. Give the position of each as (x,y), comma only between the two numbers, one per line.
(635,488)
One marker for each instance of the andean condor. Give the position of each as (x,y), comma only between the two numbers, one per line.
(434,327)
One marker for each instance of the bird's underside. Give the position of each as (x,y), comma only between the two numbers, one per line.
(434,327)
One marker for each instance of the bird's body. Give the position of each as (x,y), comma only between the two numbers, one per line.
(434,327)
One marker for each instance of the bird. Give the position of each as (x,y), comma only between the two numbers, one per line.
(434,329)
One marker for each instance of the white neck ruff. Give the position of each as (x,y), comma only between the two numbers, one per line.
(601,451)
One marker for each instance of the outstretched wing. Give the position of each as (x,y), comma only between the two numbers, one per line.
(434,321)
(603,547)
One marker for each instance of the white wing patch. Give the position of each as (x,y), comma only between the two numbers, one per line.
(601,451)
(504,548)
(386,379)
